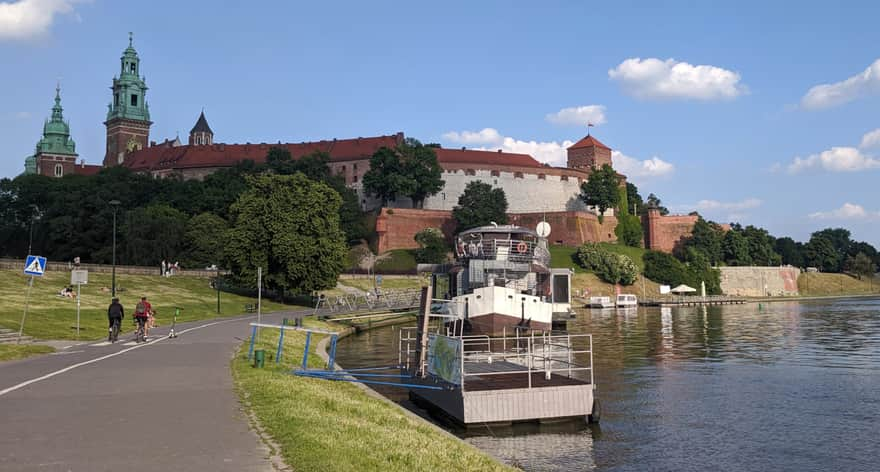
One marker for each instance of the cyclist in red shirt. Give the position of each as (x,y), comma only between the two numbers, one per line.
(142,313)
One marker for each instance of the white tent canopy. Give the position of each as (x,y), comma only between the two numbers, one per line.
(683,289)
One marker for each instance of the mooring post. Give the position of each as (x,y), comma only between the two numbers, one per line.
(422,334)
(280,341)
(332,360)
(305,364)
(253,338)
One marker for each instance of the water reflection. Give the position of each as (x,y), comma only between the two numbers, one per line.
(783,386)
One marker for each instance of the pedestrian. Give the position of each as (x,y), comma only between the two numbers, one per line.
(162,268)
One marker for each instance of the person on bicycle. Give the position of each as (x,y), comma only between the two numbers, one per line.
(142,314)
(115,314)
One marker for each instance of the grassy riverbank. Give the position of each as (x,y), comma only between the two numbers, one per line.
(53,317)
(10,352)
(814,284)
(323,425)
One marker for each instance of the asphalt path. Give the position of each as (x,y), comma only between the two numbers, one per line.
(167,404)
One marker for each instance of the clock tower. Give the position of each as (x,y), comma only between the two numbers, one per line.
(128,116)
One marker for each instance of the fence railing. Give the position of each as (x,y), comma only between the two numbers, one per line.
(514,250)
(58,266)
(388,299)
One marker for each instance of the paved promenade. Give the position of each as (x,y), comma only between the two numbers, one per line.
(165,405)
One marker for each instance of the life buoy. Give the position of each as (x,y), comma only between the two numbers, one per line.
(521,247)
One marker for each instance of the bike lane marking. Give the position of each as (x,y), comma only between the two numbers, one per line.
(97,359)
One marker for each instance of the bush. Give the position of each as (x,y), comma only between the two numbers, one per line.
(610,267)
(433,246)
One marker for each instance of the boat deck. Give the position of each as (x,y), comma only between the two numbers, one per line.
(502,375)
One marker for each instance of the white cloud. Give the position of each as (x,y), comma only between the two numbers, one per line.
(836,159)
(28,19)
(484,136)
(636,169)
(871,139)
(489,139)
(715,205)
(578,116)
(653,78)
(858,86)
(849,211)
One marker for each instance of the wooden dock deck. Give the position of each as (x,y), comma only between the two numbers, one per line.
(693,301)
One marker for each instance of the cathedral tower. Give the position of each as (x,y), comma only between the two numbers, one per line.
(55,154)
(201,133)
(128,118)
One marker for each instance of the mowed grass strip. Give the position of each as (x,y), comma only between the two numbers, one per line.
(323,425)
(51,316)
(389,282)
(824,284)
(9,352)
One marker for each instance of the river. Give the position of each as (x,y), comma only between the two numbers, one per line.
(774,386)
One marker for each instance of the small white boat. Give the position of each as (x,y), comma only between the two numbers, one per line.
(600,302)
(627,301)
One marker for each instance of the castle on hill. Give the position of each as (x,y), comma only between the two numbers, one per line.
(531,187)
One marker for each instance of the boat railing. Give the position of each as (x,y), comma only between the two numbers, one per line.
(513,250)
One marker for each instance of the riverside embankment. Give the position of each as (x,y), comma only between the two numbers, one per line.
(326,425)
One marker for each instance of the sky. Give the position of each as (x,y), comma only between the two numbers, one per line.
(749,112)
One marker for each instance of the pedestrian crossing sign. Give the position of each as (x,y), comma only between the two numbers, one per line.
(35,265)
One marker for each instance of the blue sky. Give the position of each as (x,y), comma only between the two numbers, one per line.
(748,112)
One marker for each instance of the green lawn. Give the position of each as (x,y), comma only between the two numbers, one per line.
(324,425)
(399,260)
(52,317)
(564,256)
(389,282)
(10,352)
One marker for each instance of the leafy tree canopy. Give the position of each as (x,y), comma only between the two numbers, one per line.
(411,170)
(653,202)
(479,205)
(432,248)
(289,226)
(600,190)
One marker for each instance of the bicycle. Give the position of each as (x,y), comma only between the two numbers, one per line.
(114,330)
(140,335)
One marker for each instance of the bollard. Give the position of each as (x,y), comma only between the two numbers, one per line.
(259,358)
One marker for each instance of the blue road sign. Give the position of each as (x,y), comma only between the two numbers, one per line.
(378,280)
(35,265)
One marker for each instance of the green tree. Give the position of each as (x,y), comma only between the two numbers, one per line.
(629,227)
(705,237)
(653,202)
(432,248)
(761,246)
(735,248)
(791,251)
(153,233)
(861,265)
(609,266)
(819,252)
(601,189)
(289,226)
(411,170)
(205,240)
(700,270)
(479,205)
(665,268)
(634,200)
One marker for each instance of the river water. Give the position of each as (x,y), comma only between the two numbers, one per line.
(774,386)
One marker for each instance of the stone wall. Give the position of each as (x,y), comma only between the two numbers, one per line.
(398,226)
(664,233)
(759,281)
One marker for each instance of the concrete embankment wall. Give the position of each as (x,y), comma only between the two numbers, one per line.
(760,281)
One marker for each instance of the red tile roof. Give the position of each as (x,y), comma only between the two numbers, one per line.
(87,169)
(472,156)
(588,141)
(227,155)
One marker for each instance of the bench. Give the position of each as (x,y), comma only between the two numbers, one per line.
(250,308)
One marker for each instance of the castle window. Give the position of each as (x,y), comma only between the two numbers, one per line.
(59,170)
(116,99)
(564,178)
(470,172)
(134,100)
(343,169)
(542,177)
(355,167)
(354,178)
(517,175)
(133,68)
(495,173)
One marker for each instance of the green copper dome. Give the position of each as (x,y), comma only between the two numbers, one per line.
(56,132)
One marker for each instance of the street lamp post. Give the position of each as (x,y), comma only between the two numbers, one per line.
(115,205)
(35,216)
